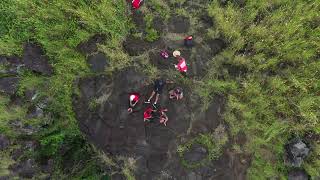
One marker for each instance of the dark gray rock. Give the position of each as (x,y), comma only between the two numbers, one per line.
(296,151)
(118,176)
(179,24)
(4,142)
(9,85)
(97,62)
(48,167)
(298,174)
(196,153)
(12,65)
(35,59)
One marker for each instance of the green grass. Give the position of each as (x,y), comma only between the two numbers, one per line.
(59,26)
(279,95)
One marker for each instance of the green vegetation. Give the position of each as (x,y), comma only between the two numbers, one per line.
(213,143)
(270,73)
(58,26)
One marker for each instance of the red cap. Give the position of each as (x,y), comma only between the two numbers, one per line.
(189,38)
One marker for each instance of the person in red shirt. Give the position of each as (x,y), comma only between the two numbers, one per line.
(136,4)
(148,114)
(133,100)
(182,64)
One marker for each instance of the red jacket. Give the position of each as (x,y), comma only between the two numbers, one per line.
(147,113)
(182,65)
(136,3)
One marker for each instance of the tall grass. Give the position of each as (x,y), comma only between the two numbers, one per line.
(278,97)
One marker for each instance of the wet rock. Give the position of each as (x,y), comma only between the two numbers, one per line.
(297,174)
(97,62)
(90,46)
(135,46)
(118,176)
(196,153)
(25,169)
(296,151)
(9,85)
(4,142)
(216,45)
(179,24)
(35,59)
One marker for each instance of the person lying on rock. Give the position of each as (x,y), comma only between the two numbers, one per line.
(148,114)
(133,100)
(182,65)
(176,93)
(136,4)
(157,90)
(163,116)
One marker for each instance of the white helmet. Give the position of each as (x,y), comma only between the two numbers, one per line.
(132,97)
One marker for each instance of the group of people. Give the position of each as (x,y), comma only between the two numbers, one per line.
(153,112)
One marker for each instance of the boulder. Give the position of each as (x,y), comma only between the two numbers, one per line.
(35,59)
(136,46)
(297,174)
(25,169)
(296,151)
(97,62)
(195,154)
(9,85)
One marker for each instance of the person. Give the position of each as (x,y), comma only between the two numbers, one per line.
(136,4)
(164,54)
(176,93)
(148,114)
(157,90)
(163,116)
(188,41)
(133,100)
(182,65)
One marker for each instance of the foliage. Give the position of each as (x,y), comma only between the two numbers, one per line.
(58,26)
(212,142)
(277,96)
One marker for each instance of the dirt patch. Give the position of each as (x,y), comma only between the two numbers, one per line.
(136,46)
(97,62)
(90,46)
(34,59)
(9,85)
(179,24)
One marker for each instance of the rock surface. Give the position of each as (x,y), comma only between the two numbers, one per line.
(9,85)
(195,154)
(4,142)
(298,175)
(97,62)
(35,60)
(296,150)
